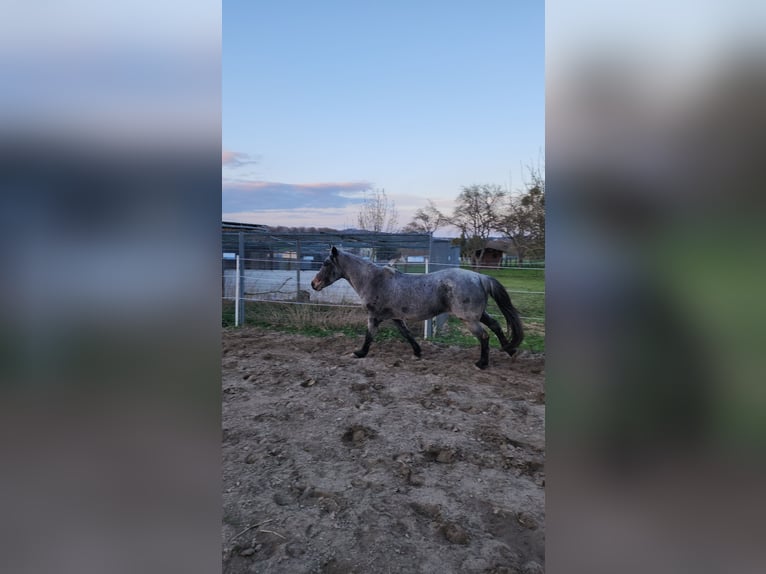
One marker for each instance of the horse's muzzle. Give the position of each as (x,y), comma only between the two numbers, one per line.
(316,285)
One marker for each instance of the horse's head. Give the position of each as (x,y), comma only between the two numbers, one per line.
(329,273)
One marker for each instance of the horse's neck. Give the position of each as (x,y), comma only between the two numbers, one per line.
(359,273)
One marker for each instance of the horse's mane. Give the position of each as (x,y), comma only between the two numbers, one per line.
(361,259)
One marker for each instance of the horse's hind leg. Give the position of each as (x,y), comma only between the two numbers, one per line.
(407,335)
(372,329)
(478,331)
(498,331)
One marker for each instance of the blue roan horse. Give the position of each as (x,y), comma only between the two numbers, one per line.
(390,294)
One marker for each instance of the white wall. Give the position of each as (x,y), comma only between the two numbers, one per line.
(280,286)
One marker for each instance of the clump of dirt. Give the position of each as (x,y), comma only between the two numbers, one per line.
(358,434)
(382,464)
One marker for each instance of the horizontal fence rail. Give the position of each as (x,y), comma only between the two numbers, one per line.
(288,281)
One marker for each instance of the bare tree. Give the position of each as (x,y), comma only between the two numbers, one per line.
(426,220)
(378,213)
(524,219)
(477,213)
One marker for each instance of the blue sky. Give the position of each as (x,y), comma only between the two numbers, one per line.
(324,100)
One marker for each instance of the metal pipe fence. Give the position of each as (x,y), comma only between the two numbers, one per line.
(289,282)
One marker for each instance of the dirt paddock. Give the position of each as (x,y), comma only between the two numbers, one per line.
(333,464)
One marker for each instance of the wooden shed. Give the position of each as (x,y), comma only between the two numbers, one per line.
(492,254)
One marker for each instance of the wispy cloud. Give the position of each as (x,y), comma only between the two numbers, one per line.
(236,159)
(338,218)
(326,204)
(257,196)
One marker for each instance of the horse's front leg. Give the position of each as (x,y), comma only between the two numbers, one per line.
(372,329)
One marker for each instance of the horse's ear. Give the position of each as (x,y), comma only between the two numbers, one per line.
(334,252)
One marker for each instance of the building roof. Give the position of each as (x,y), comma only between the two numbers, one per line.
(262,236)
(499,244)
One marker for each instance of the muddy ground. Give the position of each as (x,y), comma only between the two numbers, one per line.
(333,464)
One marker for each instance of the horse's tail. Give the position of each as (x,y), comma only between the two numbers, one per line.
(511,314)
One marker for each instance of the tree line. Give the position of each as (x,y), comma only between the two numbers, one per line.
(482,211)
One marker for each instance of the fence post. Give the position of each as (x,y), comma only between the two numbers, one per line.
(236,294)
(298,271)
(240,301)
(428,326)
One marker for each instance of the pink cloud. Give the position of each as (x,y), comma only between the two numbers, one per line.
(235,159)
(246,195)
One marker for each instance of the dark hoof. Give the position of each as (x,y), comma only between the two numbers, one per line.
(480,365)
(360,354)
(417,352)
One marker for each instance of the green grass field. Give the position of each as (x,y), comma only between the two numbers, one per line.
(524,285)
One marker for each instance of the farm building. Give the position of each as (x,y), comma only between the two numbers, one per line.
(493,252)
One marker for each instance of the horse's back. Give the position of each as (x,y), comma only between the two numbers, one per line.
(458,276)
(449,283)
